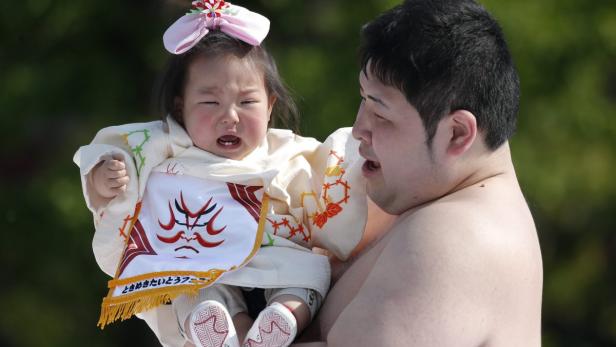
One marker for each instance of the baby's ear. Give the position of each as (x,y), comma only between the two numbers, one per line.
(463,131)
(271,103)
(178,109)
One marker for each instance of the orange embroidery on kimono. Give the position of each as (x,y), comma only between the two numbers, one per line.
(291,230)
(128,221)
(332,208)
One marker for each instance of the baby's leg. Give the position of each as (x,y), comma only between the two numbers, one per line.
(288,312)
(302,302)
(242,322)
(298,308)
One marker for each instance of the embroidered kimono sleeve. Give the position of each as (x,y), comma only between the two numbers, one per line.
(326,198)
(337,212)
(142,146)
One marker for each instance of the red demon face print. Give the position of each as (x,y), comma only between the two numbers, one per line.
(190,232)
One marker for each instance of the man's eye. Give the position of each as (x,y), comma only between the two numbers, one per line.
(379,117)
(209,102)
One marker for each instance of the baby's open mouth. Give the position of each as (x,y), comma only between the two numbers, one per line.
(229,140)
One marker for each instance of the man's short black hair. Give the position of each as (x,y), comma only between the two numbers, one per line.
(446,55)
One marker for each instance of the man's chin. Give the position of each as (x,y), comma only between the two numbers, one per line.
(375,194)
(385,202)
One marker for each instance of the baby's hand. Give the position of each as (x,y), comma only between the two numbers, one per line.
(109,177)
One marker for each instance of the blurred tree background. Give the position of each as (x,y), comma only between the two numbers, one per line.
(68,68)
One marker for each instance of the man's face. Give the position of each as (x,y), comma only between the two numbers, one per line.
(400,170)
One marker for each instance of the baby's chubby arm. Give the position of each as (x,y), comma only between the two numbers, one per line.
(109,178)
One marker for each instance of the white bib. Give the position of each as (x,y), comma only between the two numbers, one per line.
(188,231)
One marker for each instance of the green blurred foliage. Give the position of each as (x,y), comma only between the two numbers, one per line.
(68,68)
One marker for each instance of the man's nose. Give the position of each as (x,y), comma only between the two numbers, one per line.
(361,130)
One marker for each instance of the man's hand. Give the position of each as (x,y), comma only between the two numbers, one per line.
(109,177)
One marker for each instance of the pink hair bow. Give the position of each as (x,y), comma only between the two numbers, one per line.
(205,15)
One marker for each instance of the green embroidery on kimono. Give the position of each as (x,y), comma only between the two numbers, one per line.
(138,150)
(270,240)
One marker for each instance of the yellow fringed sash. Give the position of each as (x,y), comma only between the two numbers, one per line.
(148,294)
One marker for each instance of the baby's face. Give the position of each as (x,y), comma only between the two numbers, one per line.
(225,106)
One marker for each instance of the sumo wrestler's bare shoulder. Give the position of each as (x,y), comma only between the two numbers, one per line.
(473,265)
(447,276)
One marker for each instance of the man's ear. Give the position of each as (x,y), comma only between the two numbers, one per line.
(462,131)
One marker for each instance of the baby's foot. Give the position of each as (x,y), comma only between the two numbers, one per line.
(211,326)
(275,327)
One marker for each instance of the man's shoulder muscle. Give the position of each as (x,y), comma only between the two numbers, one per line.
(436,280)
(419,283)
(489,239)
(471,270)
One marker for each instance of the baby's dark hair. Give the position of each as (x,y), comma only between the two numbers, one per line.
(215,44)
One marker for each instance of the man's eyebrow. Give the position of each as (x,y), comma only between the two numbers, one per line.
(378,101)
(374,98)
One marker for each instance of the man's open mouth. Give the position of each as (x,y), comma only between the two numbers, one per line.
(372,165)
